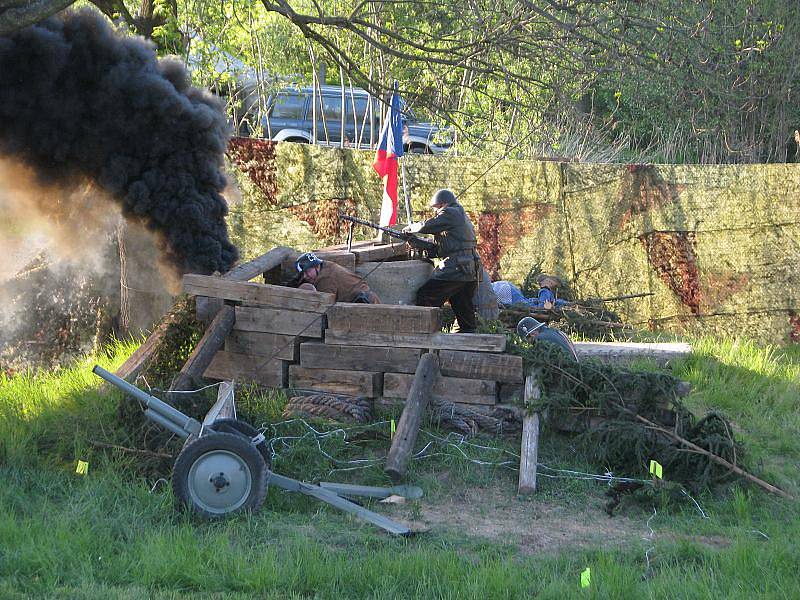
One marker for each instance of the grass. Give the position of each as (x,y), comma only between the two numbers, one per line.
(107,535)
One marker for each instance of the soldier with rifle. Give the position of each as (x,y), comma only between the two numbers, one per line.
(456,275)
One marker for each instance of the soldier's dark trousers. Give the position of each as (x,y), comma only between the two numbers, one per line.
(460,295)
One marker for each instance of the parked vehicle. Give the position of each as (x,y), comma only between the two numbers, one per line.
(291,116)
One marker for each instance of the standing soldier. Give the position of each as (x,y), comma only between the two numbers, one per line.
(455,277)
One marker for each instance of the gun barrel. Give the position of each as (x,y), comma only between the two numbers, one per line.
(159,407)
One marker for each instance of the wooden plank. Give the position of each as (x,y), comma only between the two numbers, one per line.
(257,343)
(623,352)
(273,296)
(228,366)
(510,393)
(384,318)
(224,407)
(285,322)
(476,342)
(424,380)
(191,373)
(529,451)
(256,267)
(481,365)
(454,389)
(337,381)
(359,358)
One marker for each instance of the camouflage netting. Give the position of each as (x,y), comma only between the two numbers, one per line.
(715,244)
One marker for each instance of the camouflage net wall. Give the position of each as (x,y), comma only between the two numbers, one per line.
(716,244)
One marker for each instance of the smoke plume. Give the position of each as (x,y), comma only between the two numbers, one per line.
(82,102)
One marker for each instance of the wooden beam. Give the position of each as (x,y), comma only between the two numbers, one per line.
(529,451)
(282,321)
(136,362)
(273,296)
(454,389)
(476,342)
(257,343)
(262,264)
(408,427)
(228,366)
(337,381)
(481,365)
(359,358)
(384,318)
(191,374)
(223,408)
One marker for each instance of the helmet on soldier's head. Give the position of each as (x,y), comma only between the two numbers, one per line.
(442,197)
(527,326)
(306,261)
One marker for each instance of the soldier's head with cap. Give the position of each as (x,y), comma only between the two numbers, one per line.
(307,265)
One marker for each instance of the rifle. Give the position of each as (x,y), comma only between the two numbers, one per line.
(424,246)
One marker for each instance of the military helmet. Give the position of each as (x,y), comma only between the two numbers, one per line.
(442,197)
(306,261)
(527,326)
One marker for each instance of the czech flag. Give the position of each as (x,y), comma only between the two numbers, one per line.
(390,149)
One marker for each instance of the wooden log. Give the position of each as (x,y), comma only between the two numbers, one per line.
(273,296)
(191,374)
(227,366)
(383,318)
(257,343)
(262,264)
(529,451)
(337,381)
(481,365)
(476,342)
(359,358)
(282,321)
(408,427)
(453,389)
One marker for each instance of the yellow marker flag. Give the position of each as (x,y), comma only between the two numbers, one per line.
(656,469)
(586,577)
(82,468)
(392,429)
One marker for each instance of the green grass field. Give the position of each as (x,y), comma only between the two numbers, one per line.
(114,533)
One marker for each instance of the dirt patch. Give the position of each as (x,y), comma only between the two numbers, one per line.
(533,525)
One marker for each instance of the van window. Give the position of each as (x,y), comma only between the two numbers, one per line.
(361,109)
(288,107)
(332,107)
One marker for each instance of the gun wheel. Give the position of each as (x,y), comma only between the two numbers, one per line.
(244,428)
(218,474)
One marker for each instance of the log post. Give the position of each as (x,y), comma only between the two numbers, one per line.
(529,452)
(408,427)
(207,347)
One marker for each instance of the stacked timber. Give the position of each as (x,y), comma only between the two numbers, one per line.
(270,323)
(373,350)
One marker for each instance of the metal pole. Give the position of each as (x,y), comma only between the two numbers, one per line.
(405,191)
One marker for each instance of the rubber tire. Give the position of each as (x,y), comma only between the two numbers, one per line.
(248,431)
(229,442)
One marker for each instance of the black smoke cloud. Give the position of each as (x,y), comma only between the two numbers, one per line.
(79,100)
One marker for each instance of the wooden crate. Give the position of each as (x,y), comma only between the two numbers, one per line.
(359,358)
(227,366)
(337,381)
(476,342)
(383,318)
(273,296)
(453,389)
(481,365)
(257,343)
(285,322)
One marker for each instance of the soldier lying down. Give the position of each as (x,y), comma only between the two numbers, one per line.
(326,276)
